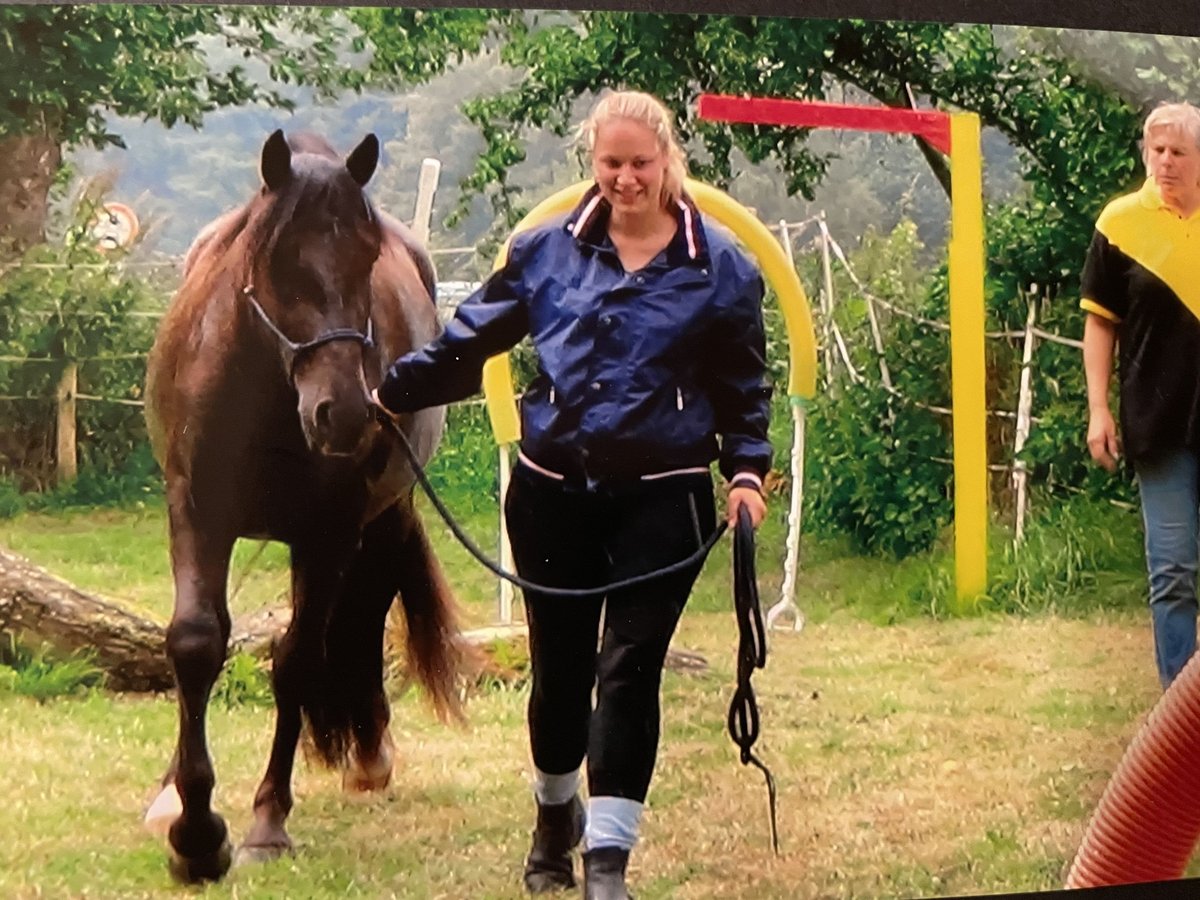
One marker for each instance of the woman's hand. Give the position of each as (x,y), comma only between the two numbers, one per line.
(395,417)
(750,498)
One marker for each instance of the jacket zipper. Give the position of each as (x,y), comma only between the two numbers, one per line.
(679,399)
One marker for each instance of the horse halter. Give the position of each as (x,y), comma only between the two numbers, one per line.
(293,350)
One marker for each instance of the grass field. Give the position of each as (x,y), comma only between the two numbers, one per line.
(915,757)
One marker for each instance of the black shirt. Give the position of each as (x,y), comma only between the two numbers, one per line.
(1143,272)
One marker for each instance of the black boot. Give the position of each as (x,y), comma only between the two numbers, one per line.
(559,829)
(604,874)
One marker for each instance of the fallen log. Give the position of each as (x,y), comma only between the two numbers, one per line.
(37,607)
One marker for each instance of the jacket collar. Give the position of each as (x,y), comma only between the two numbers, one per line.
(589,223)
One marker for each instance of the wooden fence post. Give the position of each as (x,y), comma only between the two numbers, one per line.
(427,183)
(66,456)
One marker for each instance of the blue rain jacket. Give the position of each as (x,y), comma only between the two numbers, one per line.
(639,373)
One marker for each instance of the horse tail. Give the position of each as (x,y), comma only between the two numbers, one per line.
(435,652)
(341,691)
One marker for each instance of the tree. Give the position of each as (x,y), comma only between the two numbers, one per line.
(63,69)
(1076,136)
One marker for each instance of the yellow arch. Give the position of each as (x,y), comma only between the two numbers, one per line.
(777,272)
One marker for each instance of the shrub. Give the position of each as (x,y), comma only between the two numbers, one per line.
(43,676)
(69,303)
(11,500)
(245,681)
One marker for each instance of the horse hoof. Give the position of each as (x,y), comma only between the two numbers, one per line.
(261,853)
(363,776)
(357,781)
(198,869)
(163,811)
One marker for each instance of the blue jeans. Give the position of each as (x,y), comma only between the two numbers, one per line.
(1171,511)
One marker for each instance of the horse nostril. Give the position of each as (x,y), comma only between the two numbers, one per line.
(323,416)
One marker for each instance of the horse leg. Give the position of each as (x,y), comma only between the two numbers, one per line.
(355,646)
(166,807)
(197,640)
(297,677)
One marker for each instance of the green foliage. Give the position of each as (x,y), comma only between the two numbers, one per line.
(131,482)
(1062,558)
(464,469)
(1077,557)
(66,67)
(877,461)
(42,675)
(11,500)
(69,304)
(421,43)
(878,483)
(245,681)
(1073,131)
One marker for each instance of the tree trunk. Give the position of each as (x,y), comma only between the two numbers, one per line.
(28,164)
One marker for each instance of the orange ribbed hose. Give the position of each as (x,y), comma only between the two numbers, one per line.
(1148,819)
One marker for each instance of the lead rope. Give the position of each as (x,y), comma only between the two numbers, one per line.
(752,654)
(520,582)
(752,643)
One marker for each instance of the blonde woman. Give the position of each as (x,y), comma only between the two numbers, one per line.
(647,324)
(1141,284)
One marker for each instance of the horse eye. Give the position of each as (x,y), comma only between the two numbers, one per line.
(304,285)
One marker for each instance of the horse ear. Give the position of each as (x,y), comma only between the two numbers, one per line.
(276,163)
(362,159)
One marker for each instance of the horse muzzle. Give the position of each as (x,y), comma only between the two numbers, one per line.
(337,428)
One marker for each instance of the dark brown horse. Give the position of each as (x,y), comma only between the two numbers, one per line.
(257,398)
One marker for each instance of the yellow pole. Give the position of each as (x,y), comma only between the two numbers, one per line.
(777,270)
(967,360)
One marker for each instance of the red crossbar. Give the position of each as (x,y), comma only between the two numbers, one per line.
(931,125)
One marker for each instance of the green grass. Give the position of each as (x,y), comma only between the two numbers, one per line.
(122,555)
(888,788)
(916,755)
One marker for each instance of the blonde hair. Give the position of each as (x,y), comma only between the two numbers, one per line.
(649,111)
(1181,116)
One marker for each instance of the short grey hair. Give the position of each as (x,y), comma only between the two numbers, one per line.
(1181,116)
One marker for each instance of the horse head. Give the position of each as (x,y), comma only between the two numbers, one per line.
(318,240)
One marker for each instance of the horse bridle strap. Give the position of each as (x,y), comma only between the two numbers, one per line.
(296,349)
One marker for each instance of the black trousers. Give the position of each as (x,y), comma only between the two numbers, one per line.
(565,536)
